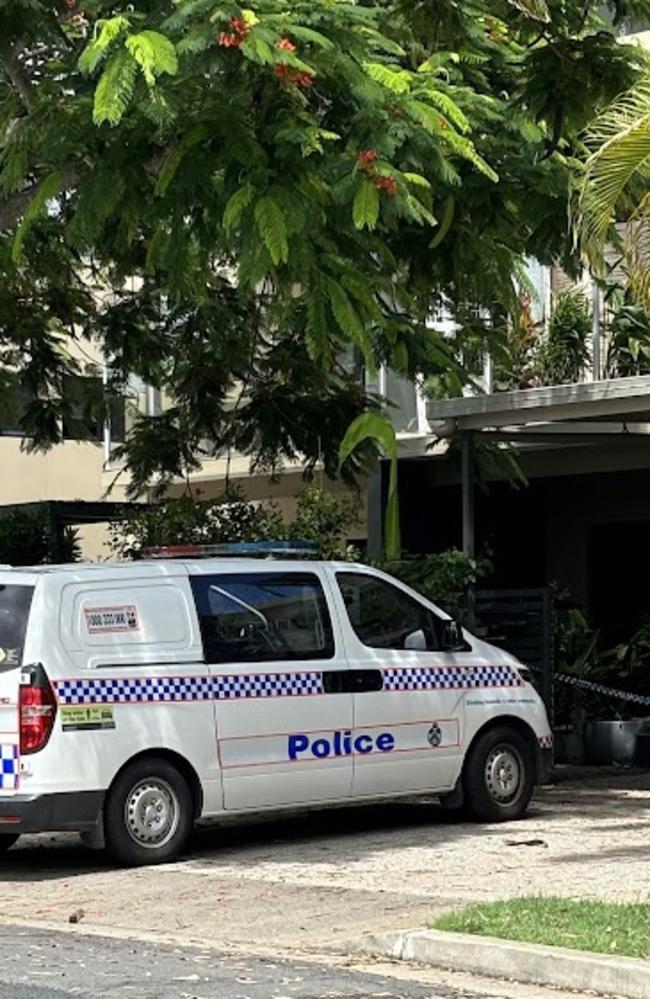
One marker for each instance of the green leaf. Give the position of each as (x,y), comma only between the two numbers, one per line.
(349,321)
(309,35)
(273,228)
(175,157)
(365,210)
(257,50)
(14,166)
(377,427)
(448,211)
(436,62)
(417,179)
(106,32)
(317,332)
(420,212)
(115,89)
(397,80)
(154,54)
(448,108)
(236,206)
(46,190)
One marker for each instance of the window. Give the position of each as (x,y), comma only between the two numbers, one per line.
(384,617)
(263,617)
(15,602)
(13,409)
(86,407)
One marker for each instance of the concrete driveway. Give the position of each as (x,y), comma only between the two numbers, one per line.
(318,880)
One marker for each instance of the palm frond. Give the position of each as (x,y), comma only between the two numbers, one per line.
(619,140)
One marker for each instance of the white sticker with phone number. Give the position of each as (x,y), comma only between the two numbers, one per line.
(101,620)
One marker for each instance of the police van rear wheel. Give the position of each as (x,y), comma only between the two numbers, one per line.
(148,815)
(499,776)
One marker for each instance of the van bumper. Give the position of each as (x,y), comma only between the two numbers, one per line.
(32,813)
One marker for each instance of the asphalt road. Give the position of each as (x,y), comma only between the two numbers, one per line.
(49,965)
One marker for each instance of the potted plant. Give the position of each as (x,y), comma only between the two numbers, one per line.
(615,724)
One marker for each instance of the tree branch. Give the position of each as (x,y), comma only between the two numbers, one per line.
(13,207)
(17,76)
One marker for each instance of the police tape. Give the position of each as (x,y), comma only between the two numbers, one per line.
(600,688)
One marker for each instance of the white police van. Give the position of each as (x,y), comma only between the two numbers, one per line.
(138,698)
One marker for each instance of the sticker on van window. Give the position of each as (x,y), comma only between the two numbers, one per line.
(85,719)
(104,620)
(10,657)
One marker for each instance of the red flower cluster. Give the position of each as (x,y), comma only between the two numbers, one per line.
(295,76)
(286,45)
(233,39)
(365,160)
(387,184)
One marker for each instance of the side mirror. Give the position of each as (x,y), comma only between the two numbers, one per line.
(416,641)
(452,638)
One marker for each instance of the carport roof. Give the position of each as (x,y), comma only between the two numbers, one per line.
(617,405)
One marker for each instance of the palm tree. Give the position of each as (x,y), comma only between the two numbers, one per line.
(611,199)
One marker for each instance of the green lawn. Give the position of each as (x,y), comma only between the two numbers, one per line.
(604,927)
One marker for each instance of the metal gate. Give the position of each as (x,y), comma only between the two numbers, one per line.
(522,623)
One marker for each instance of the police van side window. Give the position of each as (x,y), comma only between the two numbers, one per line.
(384,617)
(262,617)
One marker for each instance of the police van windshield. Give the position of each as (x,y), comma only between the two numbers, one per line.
(15,602)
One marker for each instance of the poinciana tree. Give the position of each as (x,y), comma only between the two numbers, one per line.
(232,200)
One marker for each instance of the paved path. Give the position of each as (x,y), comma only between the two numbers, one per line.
(49,965)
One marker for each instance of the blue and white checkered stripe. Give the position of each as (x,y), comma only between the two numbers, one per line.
(450,678)
(125,690)
(227,687)
(189,688)
(267,685)
(9,767)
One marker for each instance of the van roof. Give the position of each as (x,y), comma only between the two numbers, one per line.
(166,567)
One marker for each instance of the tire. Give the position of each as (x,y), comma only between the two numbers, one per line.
(499,776)
(7,840)
(149,813)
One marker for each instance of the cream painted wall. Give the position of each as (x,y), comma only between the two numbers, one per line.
(70,471)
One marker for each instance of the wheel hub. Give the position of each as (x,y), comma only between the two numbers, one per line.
(503,772)
(151,812)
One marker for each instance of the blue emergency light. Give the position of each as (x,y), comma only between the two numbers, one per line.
(237,549)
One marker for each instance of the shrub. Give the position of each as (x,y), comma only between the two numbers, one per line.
(190,521)
(25,538)
(444,578)
(563,353)
(326,518)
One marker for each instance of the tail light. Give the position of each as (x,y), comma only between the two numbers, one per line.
(36,708)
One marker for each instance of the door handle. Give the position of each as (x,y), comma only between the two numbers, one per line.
(367,680)
(353,681)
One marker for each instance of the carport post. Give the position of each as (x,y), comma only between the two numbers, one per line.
(467,480)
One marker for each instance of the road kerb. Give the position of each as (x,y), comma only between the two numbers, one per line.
(528,963)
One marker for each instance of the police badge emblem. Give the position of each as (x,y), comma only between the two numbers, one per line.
(434,736)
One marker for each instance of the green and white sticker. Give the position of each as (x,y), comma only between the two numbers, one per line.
(81,718)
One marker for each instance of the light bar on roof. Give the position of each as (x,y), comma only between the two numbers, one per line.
(247,549)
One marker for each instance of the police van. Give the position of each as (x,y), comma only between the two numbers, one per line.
(138,698)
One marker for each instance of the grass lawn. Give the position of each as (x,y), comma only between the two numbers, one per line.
(604,927)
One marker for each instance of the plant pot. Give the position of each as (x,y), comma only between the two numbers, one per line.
(609,742)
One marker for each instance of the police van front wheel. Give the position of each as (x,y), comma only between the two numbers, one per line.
(148,814)
(499,776)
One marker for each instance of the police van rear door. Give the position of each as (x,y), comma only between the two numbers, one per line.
(283,703)
(16,592)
